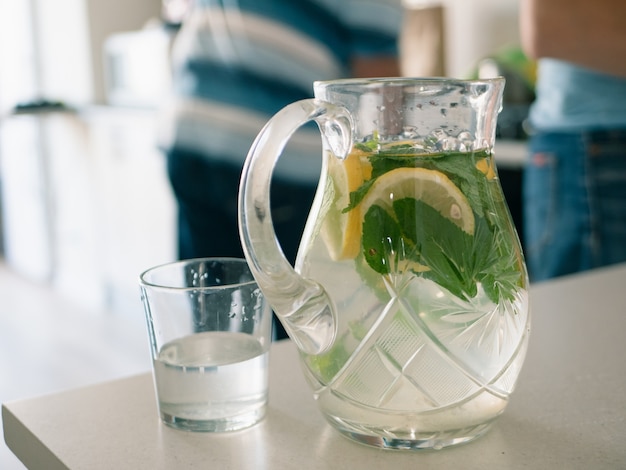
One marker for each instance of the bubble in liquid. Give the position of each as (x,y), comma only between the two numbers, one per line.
(440,140)
(435,139)
(409,132)
(466,141)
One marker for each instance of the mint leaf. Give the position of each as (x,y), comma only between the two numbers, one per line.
(457,261)
(503,275)
(440,245)
(368,147)
(382,240)
(326,365)
(417,233)
(357,196)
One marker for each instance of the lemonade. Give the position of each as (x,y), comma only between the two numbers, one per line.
(213,380)
(416,249)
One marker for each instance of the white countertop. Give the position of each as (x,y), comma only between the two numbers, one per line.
(569,409)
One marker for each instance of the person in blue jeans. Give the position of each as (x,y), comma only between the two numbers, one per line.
(574,186)
(234,65)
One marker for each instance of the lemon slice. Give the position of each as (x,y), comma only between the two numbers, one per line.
(340,231)
(487,167)
(430,186)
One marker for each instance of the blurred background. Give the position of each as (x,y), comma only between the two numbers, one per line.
(85,204)
(82,182)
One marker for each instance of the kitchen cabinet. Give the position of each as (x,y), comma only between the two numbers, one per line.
(86,204)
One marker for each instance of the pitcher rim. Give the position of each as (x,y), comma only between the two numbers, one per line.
(408,81)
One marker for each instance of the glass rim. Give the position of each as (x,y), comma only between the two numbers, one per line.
(143,282)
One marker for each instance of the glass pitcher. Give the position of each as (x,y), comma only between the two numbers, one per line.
(409,297)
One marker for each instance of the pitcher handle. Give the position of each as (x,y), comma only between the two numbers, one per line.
(301,304)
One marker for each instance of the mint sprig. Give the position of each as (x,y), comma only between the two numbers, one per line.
(457,261)
(416,234)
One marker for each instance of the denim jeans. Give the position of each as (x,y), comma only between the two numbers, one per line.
(574,202)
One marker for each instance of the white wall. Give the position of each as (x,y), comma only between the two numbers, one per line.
(61,36)
(85,201)
(114,16)
(474,29)
(54,49)
(17,64)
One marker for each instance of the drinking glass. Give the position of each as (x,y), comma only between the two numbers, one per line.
(210,331)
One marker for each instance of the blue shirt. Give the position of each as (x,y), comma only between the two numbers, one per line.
(573,98)
(237,62)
